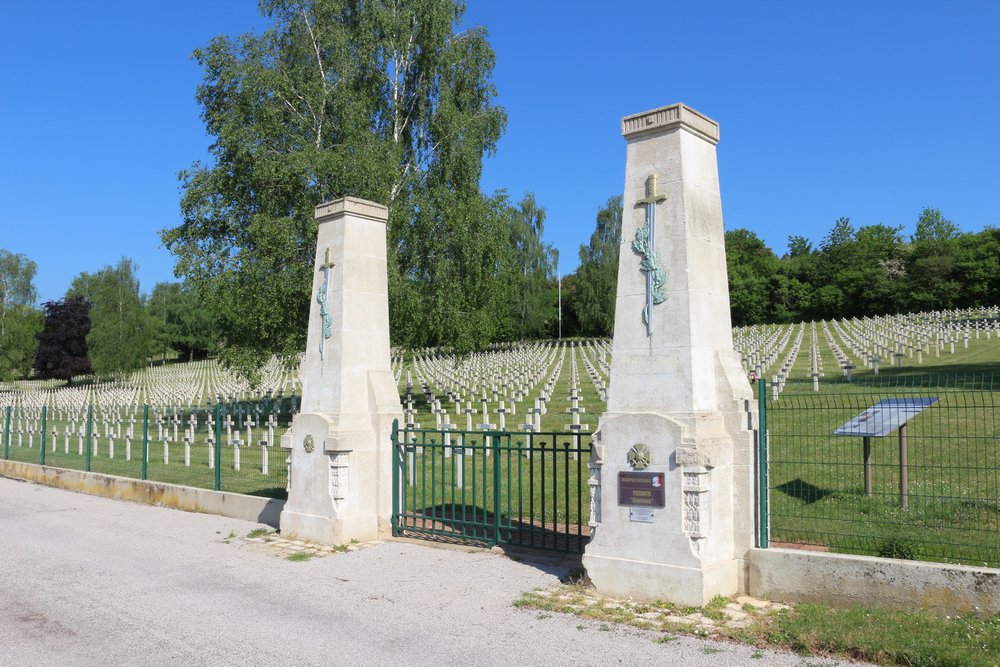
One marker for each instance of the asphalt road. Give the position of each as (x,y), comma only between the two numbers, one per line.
(92,581)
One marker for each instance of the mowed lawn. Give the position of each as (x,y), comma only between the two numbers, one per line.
(816,479)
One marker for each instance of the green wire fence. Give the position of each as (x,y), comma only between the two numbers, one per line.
(226,446)
(930,491)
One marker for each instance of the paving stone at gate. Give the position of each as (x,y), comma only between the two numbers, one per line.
(568,599)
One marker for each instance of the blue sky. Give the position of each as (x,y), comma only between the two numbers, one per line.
(871,110)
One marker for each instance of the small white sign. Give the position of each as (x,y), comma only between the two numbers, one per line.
(640,514)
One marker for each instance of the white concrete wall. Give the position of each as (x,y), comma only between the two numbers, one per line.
(790,575)
(188,498)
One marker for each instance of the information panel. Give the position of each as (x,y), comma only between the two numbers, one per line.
(885,416)
(641,489)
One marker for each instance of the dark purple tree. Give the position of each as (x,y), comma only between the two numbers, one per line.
(62,344)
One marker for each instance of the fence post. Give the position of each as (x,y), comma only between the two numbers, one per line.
(44,426)
(90,430)
(495,446)
(218,446)
(396,456)
(145,440)
(762,461)
(6,434)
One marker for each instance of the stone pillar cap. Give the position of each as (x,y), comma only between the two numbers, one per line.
(666,118)
(355,206)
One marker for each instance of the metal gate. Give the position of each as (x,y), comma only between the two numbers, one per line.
(492,487)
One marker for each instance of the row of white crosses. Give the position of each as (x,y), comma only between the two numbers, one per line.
(457,384)
(778,384)
(815,358)
(891,338)
(115,409)
(167,434)
(501,378)
(600,371)
(511,373)
(202,382)
(574,398)
(443,376)
(760,346)
(872,342)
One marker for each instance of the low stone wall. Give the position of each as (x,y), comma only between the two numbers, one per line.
(191,499)
(789,575)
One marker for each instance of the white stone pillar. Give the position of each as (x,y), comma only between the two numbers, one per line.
(678,397)
(340,441)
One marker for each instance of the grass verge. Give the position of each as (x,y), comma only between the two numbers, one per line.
(882,636)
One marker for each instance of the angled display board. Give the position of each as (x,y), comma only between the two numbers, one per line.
(885,416)
(890,414)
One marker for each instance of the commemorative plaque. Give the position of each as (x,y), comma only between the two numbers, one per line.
(641,489)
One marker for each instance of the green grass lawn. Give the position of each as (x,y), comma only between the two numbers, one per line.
(816,483)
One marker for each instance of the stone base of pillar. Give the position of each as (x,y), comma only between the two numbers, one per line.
(340,477)
(331,531)
(690,549)
(626,578)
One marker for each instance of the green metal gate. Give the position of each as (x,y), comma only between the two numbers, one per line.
(492,487)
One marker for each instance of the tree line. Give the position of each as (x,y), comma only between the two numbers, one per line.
(853,272)
(863,271)
(104,325)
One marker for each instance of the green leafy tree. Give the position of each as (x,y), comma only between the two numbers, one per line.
(834,252)
(799,246)
(977,265)
(792,285)
(19,320)
(381,100)
(594,288)
(120,339)
(62,344)
(751,267)
(179,321)
(567,325)
(534,307)
(878,271)
(931,267)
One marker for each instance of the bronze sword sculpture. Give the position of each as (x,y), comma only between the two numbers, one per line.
(321,296)
(644,245)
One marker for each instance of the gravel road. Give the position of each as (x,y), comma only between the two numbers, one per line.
(93,581)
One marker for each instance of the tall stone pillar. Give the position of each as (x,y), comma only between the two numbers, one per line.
(676,455)
(340,471)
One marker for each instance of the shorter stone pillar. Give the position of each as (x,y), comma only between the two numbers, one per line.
(340,443)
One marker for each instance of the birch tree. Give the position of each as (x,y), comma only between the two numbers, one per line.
(19,320)
(382,100)
(120,337)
